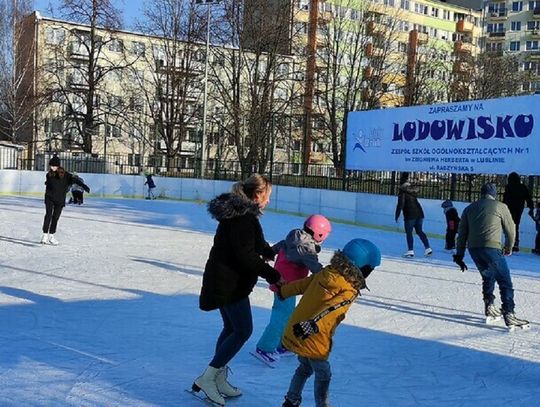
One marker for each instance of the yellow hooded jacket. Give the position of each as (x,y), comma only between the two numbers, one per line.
(340,282)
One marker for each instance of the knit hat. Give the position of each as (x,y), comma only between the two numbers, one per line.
(54,162)
(447,204)
(489,189)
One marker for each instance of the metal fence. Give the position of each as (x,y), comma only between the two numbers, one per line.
(459,187)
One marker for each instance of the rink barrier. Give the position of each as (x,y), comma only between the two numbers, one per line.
(370,210)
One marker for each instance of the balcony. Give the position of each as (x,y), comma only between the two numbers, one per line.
(373,51)
(536,13)
(498,35)
(534,55)
(498,15)
(78,51)
(463,26)
(534,33)
(374,28)
(76,81)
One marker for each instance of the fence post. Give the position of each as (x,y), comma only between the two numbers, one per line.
(469,191)
(453,183)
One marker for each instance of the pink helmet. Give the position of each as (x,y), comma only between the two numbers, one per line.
(318,226)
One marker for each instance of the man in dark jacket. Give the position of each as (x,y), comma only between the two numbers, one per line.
(413,217)
(57,184)
(515,196)
(482,224)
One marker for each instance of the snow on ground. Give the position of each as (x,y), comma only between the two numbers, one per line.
(110,317)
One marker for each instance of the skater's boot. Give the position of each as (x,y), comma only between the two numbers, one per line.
(207,383)
(223,386)
(289,403)
(45,238)
(492,313)
(408,254)
(428,252)
(52,240)
(512,322)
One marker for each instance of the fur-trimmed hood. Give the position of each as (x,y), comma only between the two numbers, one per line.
(228,206)
(349,271)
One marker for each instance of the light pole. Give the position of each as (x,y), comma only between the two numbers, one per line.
(206,3)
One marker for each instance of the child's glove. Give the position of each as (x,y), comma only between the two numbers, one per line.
(317,248)
(458,259)
(305,329)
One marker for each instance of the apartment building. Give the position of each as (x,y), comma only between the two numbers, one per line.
(145,94)
(514,27)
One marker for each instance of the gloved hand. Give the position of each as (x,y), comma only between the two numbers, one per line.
(87,189)
(507,251)
(458,259)
(317,248)
(268,254)
(305,329)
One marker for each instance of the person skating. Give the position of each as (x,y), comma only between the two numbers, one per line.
(482,224)
(297,255)
(151,185)
(536,217)
(327,296)
(57,183)
(452,224)
(515,196)
(77,192)
(236,261)
(413,216)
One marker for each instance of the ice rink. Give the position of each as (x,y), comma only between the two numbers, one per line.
(110,317)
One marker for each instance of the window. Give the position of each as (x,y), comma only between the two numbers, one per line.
(517,6)
(533,25)
(531,45)
(434,12)
(534,5)
(113,130)
(138,49)
(514,45)
(516,26)
(405,4)
(402,47)
(283,69)
(446,15)
(134,159)
(355,15)
(116,45)
(55,36)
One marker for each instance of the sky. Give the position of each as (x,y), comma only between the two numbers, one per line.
(110,317)
(130,9)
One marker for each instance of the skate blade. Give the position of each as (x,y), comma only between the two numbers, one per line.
(492,320)
(522,327)
(201,395)
(265,361)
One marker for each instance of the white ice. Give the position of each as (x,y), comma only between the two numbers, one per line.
(110,317)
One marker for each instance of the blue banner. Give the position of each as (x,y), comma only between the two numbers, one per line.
(494,136)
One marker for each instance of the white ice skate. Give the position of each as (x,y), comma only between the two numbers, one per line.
(409,254)
(207,383)
(493,314)
(512,322)
(52,240)
(223,385)
(45,238)
(270,359)
(428,252)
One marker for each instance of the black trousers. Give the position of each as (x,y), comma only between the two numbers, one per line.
(516,217)
(52,214)
(537,243)
(450,239)
(77,197)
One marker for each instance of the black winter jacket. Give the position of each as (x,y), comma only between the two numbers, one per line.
(236,258)
(57,187)
(408,203)
(452,219)
(516,195)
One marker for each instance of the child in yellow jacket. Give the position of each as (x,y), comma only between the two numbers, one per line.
(326,299)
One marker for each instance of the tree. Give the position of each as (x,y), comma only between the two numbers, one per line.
(250,76)
(16,66)
(172,90)
(87,64)
(360,65)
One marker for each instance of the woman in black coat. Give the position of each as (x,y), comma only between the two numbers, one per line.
(515,196)
(413,217)
(237,259)
(57,183)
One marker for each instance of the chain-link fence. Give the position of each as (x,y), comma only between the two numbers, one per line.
(459,187)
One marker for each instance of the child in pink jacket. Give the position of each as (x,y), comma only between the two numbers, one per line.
(297,256)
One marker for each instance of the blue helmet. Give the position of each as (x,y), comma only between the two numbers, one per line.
(362,252)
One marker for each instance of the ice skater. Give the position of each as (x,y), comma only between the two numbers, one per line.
(327,296)
(236,261)
(151,185)
(482,224)
(77,192)
(57,183)
(413,216)
(297,255)
(452,224)
(516,196)
(536,217)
